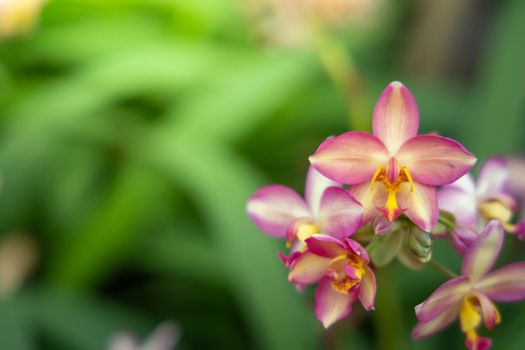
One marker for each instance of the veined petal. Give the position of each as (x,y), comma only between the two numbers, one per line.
(447,295)
(315,186)
(367,289)
(483,254)
(396,116)
(425,329)
(493,178)
(325,246)
(350,158)
(273,208)
(489,312)
(308,268)
(340,214)
(435,160)
(420,203)
(459,203)
(370,198)
(330,305)
(505,284)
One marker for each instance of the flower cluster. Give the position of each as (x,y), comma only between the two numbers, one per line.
(370,198)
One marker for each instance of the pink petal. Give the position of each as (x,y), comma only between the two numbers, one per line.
(505,284)
(463,238)
(396,117)
(330,305)
(308,268)
(357,249)
(447,295)
(315,186)
(479,343)
(435,160)
(420,204)
(489,312)
(425,329)
(367,289)
(370,198)
(460,203)
(493,178)
(273,208)
(382,225)
(483,254)
(340,214)
(325,246)
(350,158)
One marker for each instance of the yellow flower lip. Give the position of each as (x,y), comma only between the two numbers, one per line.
(391,209)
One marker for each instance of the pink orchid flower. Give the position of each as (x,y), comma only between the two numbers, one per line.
(394,170)
(327,208)
(471,295)
(475,204)
(341,268)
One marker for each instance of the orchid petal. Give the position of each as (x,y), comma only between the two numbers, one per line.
(315,186)
(505,284)
(340,214)
(396,116)
(325,246)
(435,160)
(425,329)
(367,289)
(443,298)
(273,208)
(463,238)
(370,197)
(357,249)
(493,178)
(308,268)
(489,312)
(482,255)
(330,305)
(459,203)
(420,203)
(478,343)
(350,158)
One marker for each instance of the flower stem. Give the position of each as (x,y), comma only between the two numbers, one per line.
(343,72)
(446,222)
(442,270)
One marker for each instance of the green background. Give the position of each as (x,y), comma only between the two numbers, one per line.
(132,133)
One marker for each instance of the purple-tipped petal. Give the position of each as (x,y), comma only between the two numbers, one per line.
(463,238)
(425,329)
(483,254)
(325,246)
(493,178)
(382,225)
(316,184)
(367,289)
(447,295)
(273,208)
(357,249)
(519,230)
(420,204)
(350,158)
(505,284)
(330,305)
(396,116)
(308,268)
(370,198)
(340,214)
(435,160)
(460,203)
(489,312)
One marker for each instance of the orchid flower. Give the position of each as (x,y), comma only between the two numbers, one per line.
(327,208)
(475,204)
(394,170)
(471,295)
(341,268)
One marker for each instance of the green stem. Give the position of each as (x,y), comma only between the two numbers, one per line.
(442,270)
(343,72)
(446,222)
